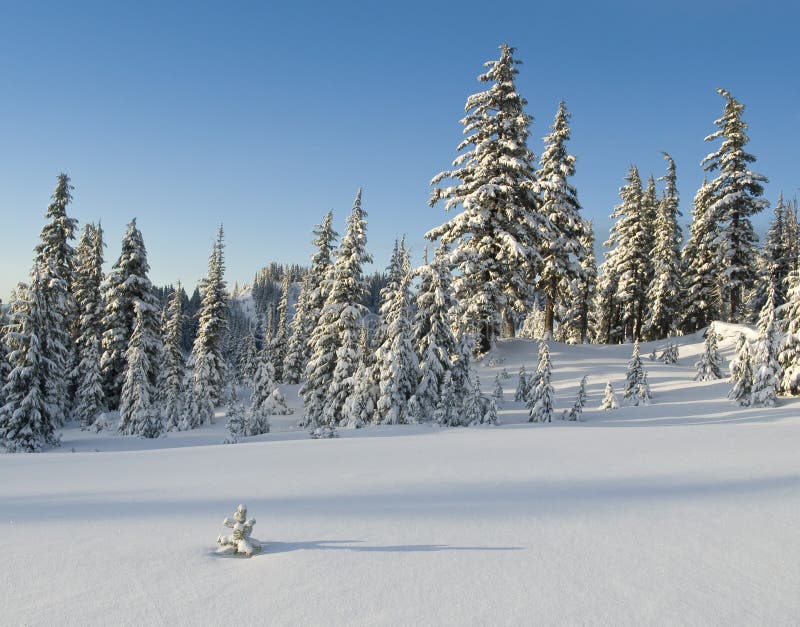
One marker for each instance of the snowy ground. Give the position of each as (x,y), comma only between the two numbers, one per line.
(685,512)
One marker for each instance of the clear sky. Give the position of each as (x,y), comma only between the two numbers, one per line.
(264,116)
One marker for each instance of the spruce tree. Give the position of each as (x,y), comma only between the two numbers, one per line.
(709,366)
(701,293)
(498,234)
(523,386)
(334,342)
(89,396)
(637,390)
(281,339)
(27,418)
(626,268)
(55,261)
(540,400)
(5,365)
(736,193)
(125,289)
(206,360)
(434,341)
(586,286)
(664,293)
(789,355)
(576,412)
(312,299)
(360,408)
(742,373)
(766,369)
(174,367)
(397,362)
(563,248)
(609,398)
(137,416)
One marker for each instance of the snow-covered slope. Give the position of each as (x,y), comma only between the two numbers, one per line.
(684,512)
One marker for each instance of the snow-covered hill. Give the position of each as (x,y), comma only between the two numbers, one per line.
(684,512)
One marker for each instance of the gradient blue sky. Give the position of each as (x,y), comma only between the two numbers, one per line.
(264,116)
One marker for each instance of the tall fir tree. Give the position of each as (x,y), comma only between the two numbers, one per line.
(55,260)
(27,418)
(89,395)
(397,362)
(498,234)
(625,270)
(135,406)
(562,250)
(334,341)
(5,365)
(664,293)
(310,303)
(736,197)
(174,366)
(126,288)
(789,355)
(281,340)
(701,293)
(434,342)
(766,369)
(207,361)
(584,291)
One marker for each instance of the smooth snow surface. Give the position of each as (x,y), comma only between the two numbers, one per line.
(683,512)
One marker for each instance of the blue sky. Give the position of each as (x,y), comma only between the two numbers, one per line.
(265,116)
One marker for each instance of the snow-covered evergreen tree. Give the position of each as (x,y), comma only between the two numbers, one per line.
(563,248)
(498,234)
(5,365)
(127,288)
(626,268)
(701,294)
(239,541)
(397,362)
(523,386)
(248,359)
(609,398)
(736,196)
(207,361)
(236,422)
(670,353)
(26,418)
(766,369)
(173,367)
(89,395)
(540,399)
(433,336)
(309,305)
(789,355)
(497,389)
(263,380)
(448,411)
(281,340)
(472,410)
(664,292)
(742,373)
(55,261)
(576,412)
(637,390)
(137,416)
(334,341)
(709,366)
(586,287)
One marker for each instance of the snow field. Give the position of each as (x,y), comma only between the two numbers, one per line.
(683,512)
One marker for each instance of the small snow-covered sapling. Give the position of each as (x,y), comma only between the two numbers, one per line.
(239,542)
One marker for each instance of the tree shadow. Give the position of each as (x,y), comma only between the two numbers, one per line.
(274,548)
